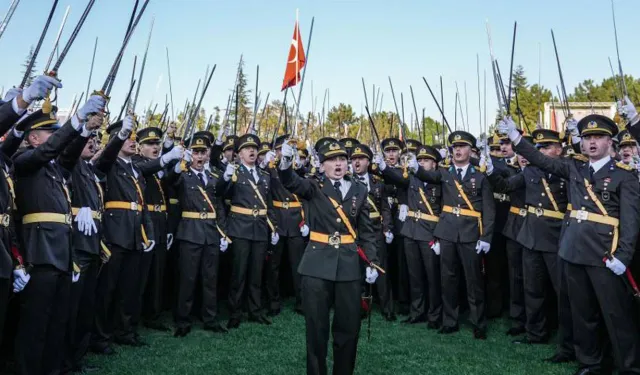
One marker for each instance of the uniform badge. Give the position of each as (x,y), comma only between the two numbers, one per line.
(605,196)
(607,180)
(353,207)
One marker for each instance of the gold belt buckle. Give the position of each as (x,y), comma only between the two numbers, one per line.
(255,212)
(285,205)
(203,215)
(523,212)
(157,208)
(582,215)
(6,220)
(417,215)
(67,219)
(456,211)
(134,206)
(335,240)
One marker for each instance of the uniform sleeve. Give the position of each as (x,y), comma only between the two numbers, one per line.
(559,167)
(295,184)
(49,150)
(109,155)
(8,117)
(431,177)
(70,155)
(149,167)
(394,176)
(387,215)
(367,233)
(271,212)
(11,144)
(488,212)
(629,218)
(504,185)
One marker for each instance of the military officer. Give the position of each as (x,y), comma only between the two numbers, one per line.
(200,234)
(44,205)
(628,148)
(464,230)
(330,266)
(292,229)
(421,247)
(251,224)
(380,214)
(598,242)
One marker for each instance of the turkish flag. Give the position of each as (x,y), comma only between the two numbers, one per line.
(295,61)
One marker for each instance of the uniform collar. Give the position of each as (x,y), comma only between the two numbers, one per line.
(597,165)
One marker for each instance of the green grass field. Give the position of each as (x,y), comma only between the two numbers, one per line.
(394,348)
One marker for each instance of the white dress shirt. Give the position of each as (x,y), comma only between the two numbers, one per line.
(597,165)
(204,175)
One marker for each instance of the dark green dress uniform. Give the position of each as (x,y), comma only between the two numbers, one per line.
(330,266)
(546,200)
(86,191)
(514,221)
(398,269)
(126,225)
(605,218)
(424,201)
(250,223)
(202,223)
(8,117)
(152,263)
(380,214)
(44,206)
(289,214)
(459,229)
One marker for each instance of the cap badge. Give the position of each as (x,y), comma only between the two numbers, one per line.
(152,134)
(626,137)
(592,125)
(392,143)
(348,144)
(199,141)
(457,137)
(334,146)
(249,139)
(539,136)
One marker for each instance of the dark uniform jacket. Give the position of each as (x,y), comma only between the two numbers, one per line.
(516,215)
(538,232)
(416,228)
(198,231)
(583,241)
(323,260)
(503,167)
(460,228)
(289,219)
(41,188)
(86,190)
(379,210)
(7,190)
(122,227)
(156,200)
(242,195)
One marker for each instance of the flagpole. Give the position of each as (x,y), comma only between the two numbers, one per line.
(306,64)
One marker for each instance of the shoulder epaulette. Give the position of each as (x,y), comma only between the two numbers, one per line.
(376,178)
(514,166)
(215,175)
(264,172)
(580,157)
(624,166)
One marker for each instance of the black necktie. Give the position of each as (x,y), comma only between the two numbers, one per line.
(336,186)
(252,175)
(201,177)
(459,174)
(591,173)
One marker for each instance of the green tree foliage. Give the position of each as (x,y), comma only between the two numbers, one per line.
(607,91)
(32,74)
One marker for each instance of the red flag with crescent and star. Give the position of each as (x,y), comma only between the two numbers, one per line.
(295,61)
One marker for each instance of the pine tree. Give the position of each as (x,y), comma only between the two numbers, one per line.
(243,100)
(25,65)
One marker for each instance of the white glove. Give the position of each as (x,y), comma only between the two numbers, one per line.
(275,238)
(304,230)
(614,265)
(229,172)
(269,157)
(412,164)
(508,127)
(75,276)
(219,135)
(169,240)
(224,245)
(627,110)
(174,154)
(20,279)
(95,104)
(488,162)
(315,162)
(481,144)
(39,88)
(127,127)
(85,221)
(436,247)
(443,153)
(572,127)
(403,212)
(288,151)
(482,246)
(371,275)
(146,249)
(186,155)
(11,93)
(388,237)
(379,159)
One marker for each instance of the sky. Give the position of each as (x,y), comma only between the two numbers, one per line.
(351,40)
